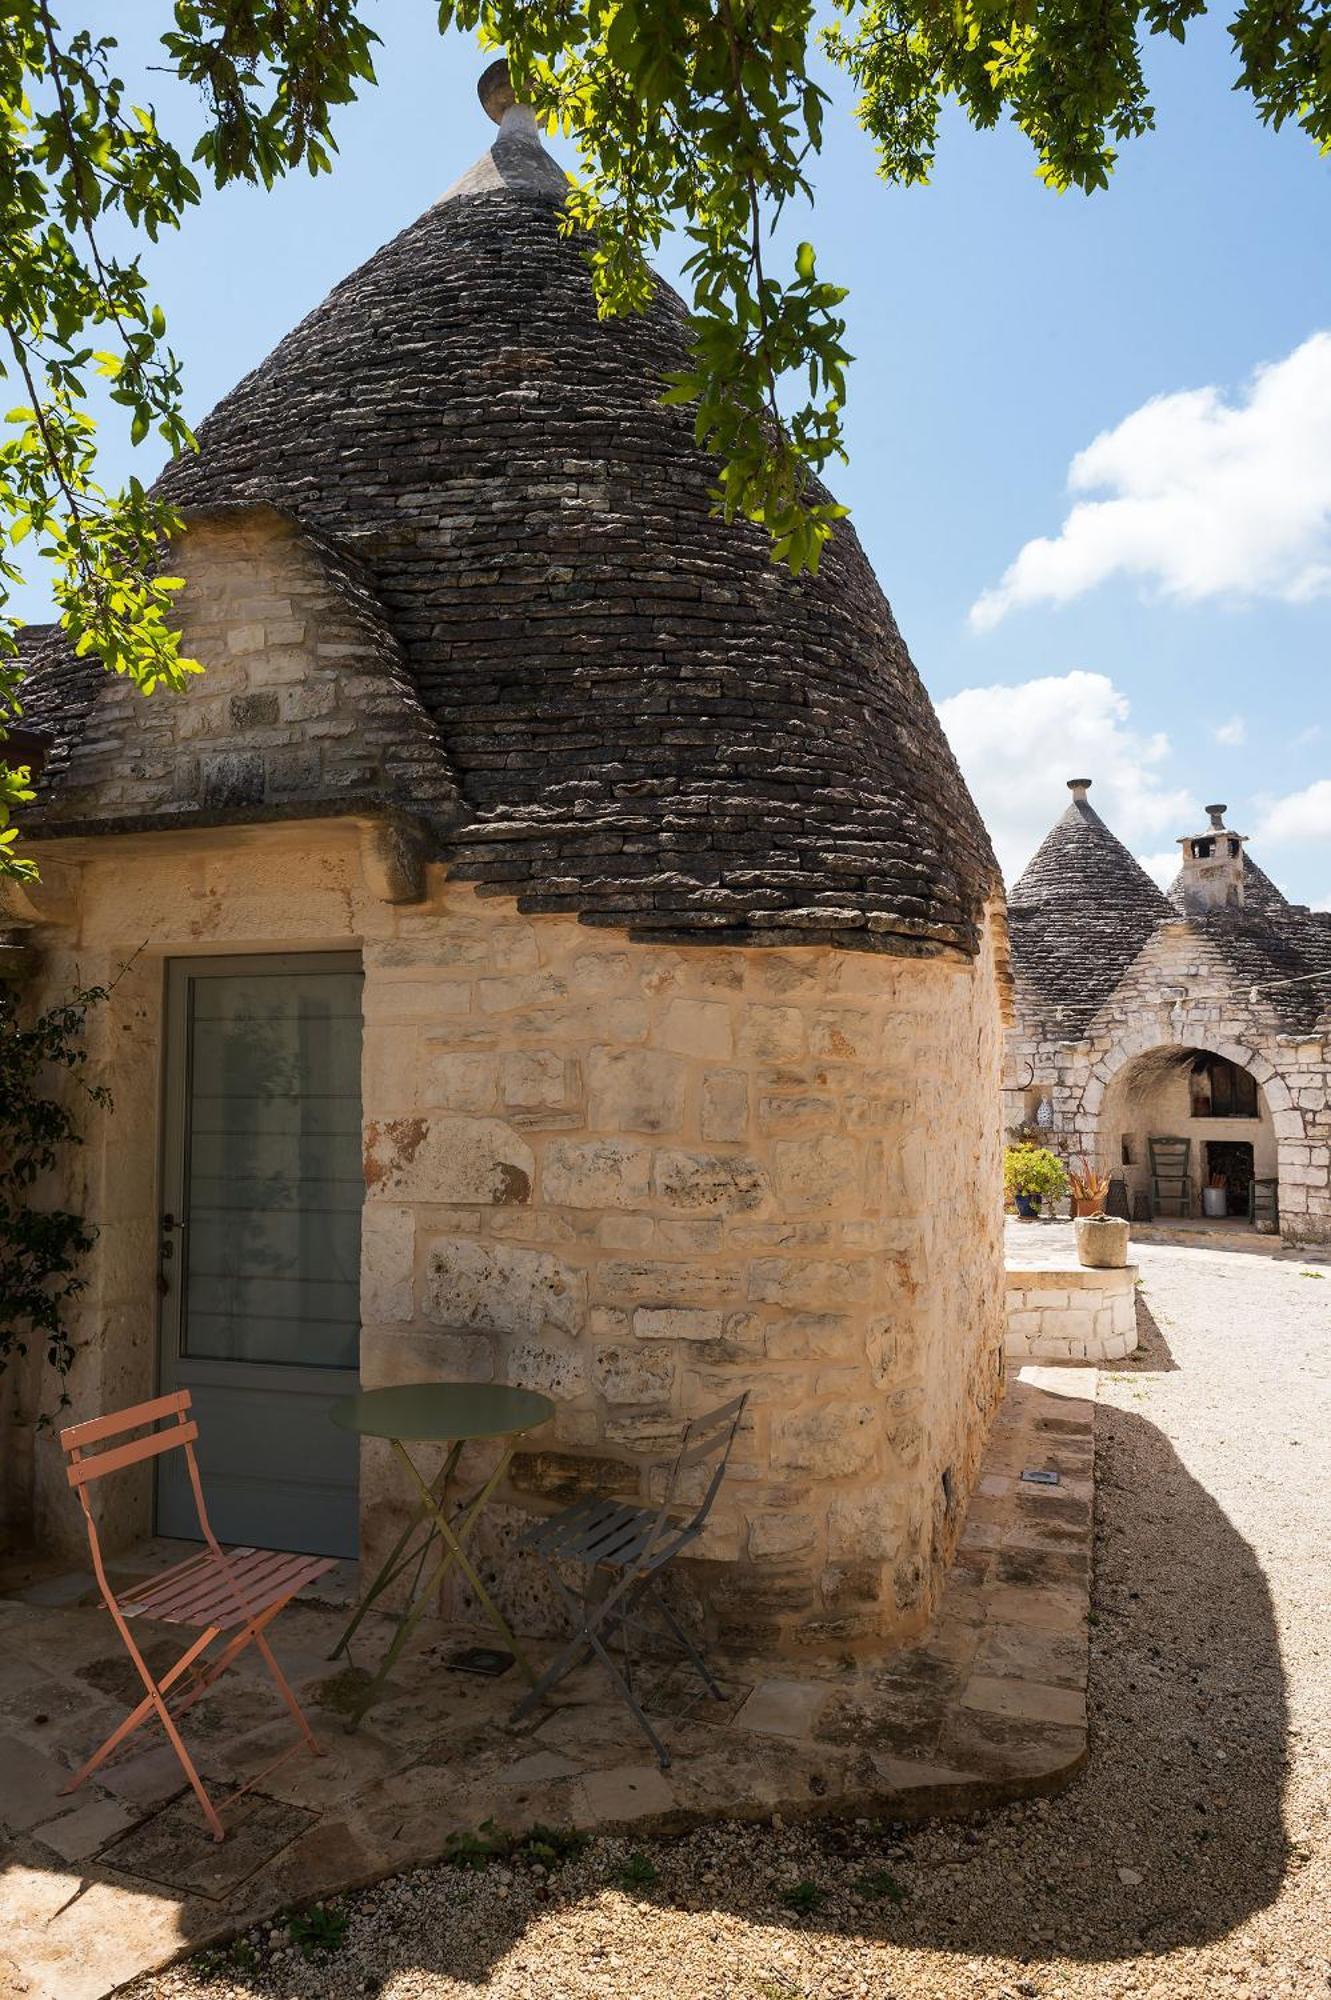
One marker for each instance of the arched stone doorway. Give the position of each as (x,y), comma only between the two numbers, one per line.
(1236,1116)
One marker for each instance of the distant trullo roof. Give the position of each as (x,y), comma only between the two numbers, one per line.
(1079,914)
(1084,908)
(651,725)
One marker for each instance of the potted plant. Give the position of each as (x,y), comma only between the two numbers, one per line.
(1090,1191)
(1032,1174)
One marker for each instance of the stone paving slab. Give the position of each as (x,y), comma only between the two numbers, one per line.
(119,1878)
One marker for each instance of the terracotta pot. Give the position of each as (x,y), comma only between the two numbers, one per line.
(1089,1204)
(1102,1242)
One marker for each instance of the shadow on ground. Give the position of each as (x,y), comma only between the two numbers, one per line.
(1171,1837)
(1152,1354)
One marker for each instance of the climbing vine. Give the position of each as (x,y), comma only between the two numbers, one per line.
(41,1248)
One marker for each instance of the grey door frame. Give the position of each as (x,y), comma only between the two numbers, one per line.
(173,1179)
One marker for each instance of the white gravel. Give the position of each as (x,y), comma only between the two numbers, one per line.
(1193,1858)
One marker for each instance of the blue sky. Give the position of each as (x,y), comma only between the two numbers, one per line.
(998,329)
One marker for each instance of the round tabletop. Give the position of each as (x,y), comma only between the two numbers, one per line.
(442,1412)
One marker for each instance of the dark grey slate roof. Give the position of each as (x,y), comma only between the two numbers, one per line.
(58,690)
(1269,944)
(1077,918)
(1085,907)
(1269,940)
(651,726)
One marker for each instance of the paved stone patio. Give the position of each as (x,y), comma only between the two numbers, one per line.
(120,1877)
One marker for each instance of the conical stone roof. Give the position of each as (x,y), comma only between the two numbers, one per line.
(651,726)
(1078,916)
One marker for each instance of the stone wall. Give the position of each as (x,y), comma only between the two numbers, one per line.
(306,695)
(1179,993)
(639,1177)
(1071,1314)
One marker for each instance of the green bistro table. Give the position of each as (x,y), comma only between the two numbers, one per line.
(454,1414)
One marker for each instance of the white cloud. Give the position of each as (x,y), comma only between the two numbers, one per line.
(1299,816)
(1161,867)
(1312,734)
(1232,733)
(1203,497)
(1018,745)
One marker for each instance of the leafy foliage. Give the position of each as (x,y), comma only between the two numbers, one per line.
(638,1871)
(1087,1184)
(880,1885)
(550,1846)
(41,1249)
(319,1931)
(697,114)
(803,1898)
(467,1849)
(1033,1170)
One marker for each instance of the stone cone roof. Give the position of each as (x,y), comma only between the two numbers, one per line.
(1077,917)
(1084,908)
(651,726)
(1272,944)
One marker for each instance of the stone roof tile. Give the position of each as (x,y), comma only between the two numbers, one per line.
(651,725)
(1084,908)
(1078,916)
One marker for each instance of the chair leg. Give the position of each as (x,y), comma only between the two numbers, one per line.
(629,1699)
(713,1688)
(562,1664)
(588,1638)
(284,1689)
(139,1715)
(253,1633)
(156,1700)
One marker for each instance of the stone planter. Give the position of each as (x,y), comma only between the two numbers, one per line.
(1102,1242)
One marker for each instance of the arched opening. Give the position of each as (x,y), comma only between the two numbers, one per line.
(1190,1133)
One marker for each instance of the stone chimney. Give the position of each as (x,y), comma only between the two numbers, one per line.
(1212,877)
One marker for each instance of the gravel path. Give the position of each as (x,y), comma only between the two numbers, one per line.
(1193,1858)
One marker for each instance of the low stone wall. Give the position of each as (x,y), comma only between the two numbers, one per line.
(1063,1314)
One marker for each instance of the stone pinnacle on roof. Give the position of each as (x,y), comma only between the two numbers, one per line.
(517,163)
(495,90)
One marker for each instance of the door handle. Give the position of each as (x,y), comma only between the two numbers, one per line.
(166,1249)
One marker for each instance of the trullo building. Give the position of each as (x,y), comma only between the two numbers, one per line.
(561,950)
(1181,1042)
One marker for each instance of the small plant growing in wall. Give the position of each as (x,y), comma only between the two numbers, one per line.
(41,1248)
(1031,1175)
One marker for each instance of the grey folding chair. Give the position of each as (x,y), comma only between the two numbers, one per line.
(632,1546)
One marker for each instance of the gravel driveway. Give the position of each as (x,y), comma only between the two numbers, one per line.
(1193,1858)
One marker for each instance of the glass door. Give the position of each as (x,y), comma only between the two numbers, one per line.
(260,1243)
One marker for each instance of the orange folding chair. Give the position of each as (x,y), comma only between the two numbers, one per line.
(212,1592)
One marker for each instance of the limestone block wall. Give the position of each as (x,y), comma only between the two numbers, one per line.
(1071,1314)
(641,1178)
(306,694)
(1179,994)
